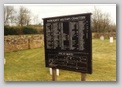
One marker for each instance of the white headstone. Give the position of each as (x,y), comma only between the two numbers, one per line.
(4,61)
(101,37)
(111,39)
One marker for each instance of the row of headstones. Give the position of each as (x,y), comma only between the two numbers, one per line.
(110,39)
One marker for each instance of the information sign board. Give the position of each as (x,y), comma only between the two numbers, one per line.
(68,42)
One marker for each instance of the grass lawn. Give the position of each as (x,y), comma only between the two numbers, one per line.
(29,65)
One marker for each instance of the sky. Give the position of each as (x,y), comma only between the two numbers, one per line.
(51,10)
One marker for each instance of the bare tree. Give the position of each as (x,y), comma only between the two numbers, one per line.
(24,16)
(97,15)
(9,16)
(35,20)
(100,21)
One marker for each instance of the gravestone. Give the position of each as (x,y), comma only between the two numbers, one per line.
(111,39)
(4,61)
(101,37)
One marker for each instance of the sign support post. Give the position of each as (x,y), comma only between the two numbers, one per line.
(83,76)
(53,74)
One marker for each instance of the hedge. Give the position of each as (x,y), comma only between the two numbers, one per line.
(29,30)
(10,31)
(20,30)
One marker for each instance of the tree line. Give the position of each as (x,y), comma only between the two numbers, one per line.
(20,17)
(18,22)
(101,22)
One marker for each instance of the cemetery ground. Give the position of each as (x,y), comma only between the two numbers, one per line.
(29,65)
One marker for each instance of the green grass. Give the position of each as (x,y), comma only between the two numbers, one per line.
(29,65)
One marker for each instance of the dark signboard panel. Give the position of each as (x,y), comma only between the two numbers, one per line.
(68,42)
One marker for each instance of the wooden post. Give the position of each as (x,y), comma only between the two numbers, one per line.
(53,74)
(83,77)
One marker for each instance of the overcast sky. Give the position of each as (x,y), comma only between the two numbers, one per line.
(51,10)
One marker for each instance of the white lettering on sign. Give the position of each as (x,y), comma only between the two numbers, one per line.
(66,19)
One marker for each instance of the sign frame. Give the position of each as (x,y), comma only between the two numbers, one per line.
(65,20)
